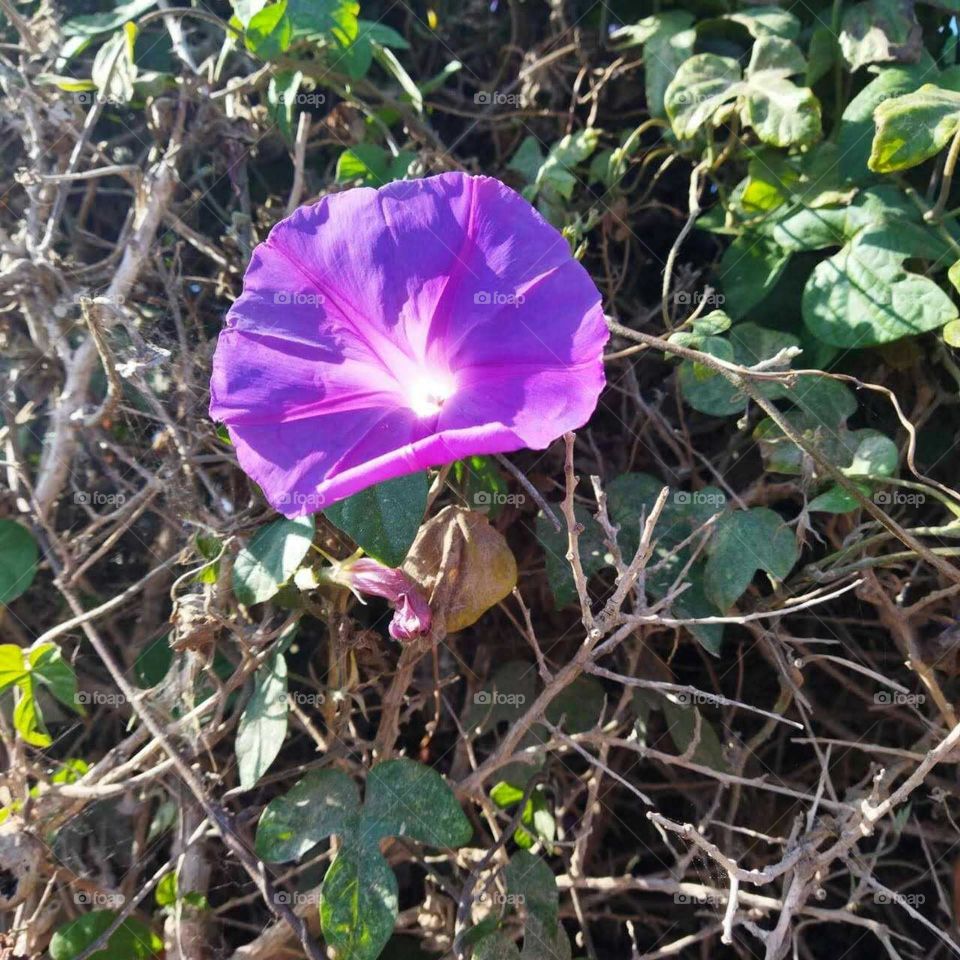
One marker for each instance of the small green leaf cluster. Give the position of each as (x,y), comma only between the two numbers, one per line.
(25,672)
(800,167)
(741,543)
(358,900)
(530,885)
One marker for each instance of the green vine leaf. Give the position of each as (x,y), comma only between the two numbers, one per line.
(357,56)
(323,803)
(913,128)
(47,666)
(532,885)
(271,558)
(372,166)
(951,334)
(857,123)
(747,344)
(282,99)
(536,822)
(384,519)
(93,24)
(532,882)
(358,907)
(18,560)
(749,271)
(667,42)
(871,455)
(829,433)
(767,21)
(682,726)
(27,670)
(358,901)
(133,940)
(630,497)
(594,554)
(496,946)
(864,296)
(263,723)
(781,112)
(551,179)
(748,541)
(876,455)
(633,495)
(332,20)
(880,31)
(269,31)
(407,799)
(836,500)
(701,86)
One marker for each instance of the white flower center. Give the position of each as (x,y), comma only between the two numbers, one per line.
(427,393)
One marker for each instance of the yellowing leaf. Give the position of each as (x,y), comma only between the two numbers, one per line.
(913,128)
(707,86)
(130,38)
(463,563)
(951,334)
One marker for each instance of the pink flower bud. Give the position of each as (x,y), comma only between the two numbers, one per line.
(411,617)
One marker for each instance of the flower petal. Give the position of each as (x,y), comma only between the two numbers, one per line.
(294,462)
(381,332)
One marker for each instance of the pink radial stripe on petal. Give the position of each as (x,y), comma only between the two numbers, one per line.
(381,332)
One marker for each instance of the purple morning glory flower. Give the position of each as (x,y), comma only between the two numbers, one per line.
(381,332)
